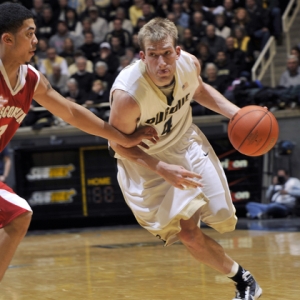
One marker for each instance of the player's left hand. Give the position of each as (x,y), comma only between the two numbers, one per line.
(143,133)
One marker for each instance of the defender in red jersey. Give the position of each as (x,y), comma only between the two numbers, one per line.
(19,84)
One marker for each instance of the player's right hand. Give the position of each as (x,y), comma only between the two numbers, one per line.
(179,176)
(2,101)
(143,133)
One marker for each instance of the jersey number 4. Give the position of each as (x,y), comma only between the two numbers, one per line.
(167,127)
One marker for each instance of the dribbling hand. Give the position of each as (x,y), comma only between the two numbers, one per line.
(143,133)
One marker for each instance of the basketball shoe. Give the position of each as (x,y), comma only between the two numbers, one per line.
(249,289)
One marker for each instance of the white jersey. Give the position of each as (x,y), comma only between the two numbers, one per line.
(170,121)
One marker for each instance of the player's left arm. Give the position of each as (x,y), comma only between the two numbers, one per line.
(209,97)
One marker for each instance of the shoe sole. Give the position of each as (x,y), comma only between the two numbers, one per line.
(258,293)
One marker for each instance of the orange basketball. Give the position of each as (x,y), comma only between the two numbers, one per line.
(253,130)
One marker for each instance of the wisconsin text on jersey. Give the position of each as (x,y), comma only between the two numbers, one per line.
(12,112)
(162,115)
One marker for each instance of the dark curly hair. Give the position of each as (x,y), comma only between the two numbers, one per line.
(12,16)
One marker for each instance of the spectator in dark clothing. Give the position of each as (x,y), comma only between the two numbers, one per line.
(123,35)
(85,13)
(235,56)
(198,26)
(197,5)
(226,70)
(204,54)
(84,79)
(258,25)
(116,47)
(221,29)
(101,73)
(228,12)
(212,4)
(141,21)
(126,24)
(60,13)
(148,14)
(68,51)
(37,10)
(72,21)
(135,44)
(106,56)
(89,48)
(111,10)
(188,42)
(42,47)
(211,77)
(215,43)
(163,8)
(74,93)
(182,18)
(46,27)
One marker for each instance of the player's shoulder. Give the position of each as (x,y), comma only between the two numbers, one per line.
(190,57)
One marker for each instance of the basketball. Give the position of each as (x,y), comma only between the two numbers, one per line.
(253,130)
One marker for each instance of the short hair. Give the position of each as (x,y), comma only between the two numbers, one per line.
(209,65)
(156,30)
(12,16)
(101,64)
(72,81)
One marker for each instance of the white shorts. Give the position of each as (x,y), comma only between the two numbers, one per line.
(158,206)
(11,205)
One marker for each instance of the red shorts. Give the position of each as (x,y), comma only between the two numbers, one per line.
(11,205)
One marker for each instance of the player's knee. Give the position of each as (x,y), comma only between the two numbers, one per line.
(227,225)
(21,223)
(191,236)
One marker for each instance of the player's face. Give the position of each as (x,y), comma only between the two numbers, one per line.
(25,42)
(160,59)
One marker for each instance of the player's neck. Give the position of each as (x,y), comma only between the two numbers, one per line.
(12,70)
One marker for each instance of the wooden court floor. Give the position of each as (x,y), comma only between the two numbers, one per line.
(129,263)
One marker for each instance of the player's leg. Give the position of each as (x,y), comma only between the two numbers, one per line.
(15,216)
(10,237)
(209,252)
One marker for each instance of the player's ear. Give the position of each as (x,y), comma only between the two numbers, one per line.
(142,55)
(178,51)
(7,38)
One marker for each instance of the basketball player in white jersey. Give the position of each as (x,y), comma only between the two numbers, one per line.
(179,181)
(19,83)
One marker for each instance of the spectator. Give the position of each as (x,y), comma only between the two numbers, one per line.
(282,194)
(57,40)
(197,5)
(226,70)
(214,42)
(123,35)
(5,164)
(46,26)
(42,47)
(235,56)
(291,77)
(101,73)
(83,78)
(74,93)
(188,42)
(73,68)
(61,11)
(111,10)
(116,47)
(135,11)
(163,8)
(214,6)
(106,56)
(135,44)
(73,23)
(228,12)
(89,47)
(130,54)
(99,25)
(258,25)
(296,51)
(147,12)
(204,54)
(68,51)
(37,10)
(85,13)
(121,15)
(211,77)
(172,17)
(241,18)
(46,66)
(243,42)
(58,80)
(198,26)
(182,18)
(140,23)
(221,29)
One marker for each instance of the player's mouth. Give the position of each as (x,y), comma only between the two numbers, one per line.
(163,72)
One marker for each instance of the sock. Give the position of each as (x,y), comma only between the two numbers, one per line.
(234,270)
(238,276)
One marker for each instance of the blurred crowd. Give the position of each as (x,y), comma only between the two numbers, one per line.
(84,44)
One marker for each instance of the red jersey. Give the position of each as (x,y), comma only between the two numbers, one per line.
(19,100)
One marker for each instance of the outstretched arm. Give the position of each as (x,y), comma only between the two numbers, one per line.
(209,97)
(124,115)
(82,118)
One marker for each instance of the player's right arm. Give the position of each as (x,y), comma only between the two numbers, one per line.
(124,116)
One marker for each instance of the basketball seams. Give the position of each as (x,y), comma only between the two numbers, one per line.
(236,123)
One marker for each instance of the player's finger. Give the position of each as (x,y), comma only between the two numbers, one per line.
(142,144)
(192,183)
(191,175)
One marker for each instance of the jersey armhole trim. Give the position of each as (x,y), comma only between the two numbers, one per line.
(37,74)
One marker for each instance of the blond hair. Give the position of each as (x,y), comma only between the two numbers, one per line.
(156,30)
